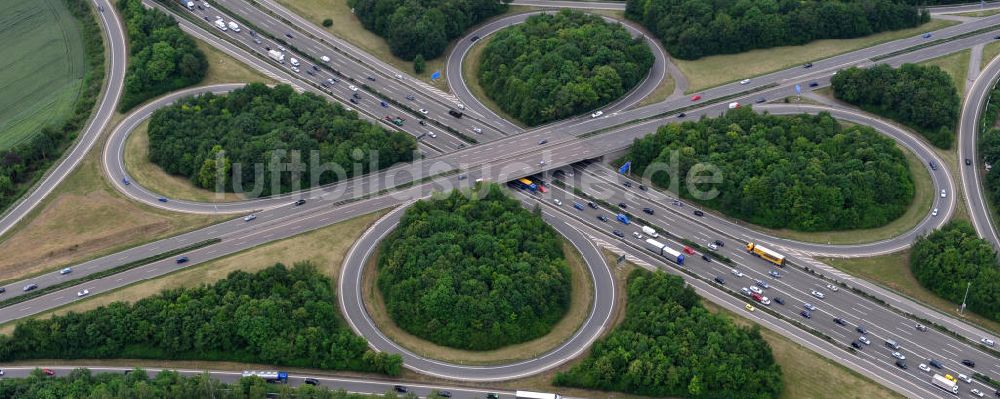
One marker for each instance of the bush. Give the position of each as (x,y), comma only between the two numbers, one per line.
(670,346)
(425,27)
(216,140)
(161,57)
(275,316)
(474,273)
(555,66)
(801,172)
(418,64)
(946,260)
(327,22)
(922,97)
(691,29)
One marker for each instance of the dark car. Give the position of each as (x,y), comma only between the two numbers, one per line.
(856,344)
(760,100)
(968,162)
(422,123)
(838,320)
(311,73)
(720,280)
(813,84)
(474,38)
(315,68)
(969,363)
(299,202)
(934,363)
(699,213)
(411,98)
(30,287)
(681,115)
(808,65)
(779,300)
(2,290)
(642,187)
(627,184)
(619,233)
(602,218)
(399,388)
(354,100)
(289,35)
(162,199)
(861,329)
(719,243)
(543,141)
(806,314)
(705,258)
(492,395)
(311,381)
(592,205)
(356,95)
(622,205)
(649,211)
(901,364)
(371,78)
(932,165)
(444,394)
(182,259)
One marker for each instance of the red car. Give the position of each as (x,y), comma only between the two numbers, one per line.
(49,372)
(688,250)
(696,97)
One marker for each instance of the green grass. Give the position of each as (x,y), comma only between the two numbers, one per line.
(719,69)
(923,197)
(990,51)
(956,65)
(984,13)
(43,72)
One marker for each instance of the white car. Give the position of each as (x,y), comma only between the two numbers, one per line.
(832,287)
(756,289)
(423,111)
(898,355)
(745,81)
(713,247)
(477,130)
(353,87)
(818,294)
(734,105)
(636,235)
(934,212)
(83,293)
(399,77)
(461,106)
(294,61)
(432,134)
(765,301)
(737,273)
(967,379)
(864,340)
(249,217)
(1,372)
(557,201)
(987,342)
(67,270)
(924,367)
(596,114)
(325,58)
(977,392)
(943,194)
(809,306)
(296,69)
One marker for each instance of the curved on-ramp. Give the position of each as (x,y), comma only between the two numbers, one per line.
(968,135)
(352,304)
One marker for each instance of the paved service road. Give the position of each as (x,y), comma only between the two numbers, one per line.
(352,305)
(971,167)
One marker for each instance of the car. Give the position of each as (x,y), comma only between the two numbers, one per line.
(832,287)
(557,201)
(82,293)
(125,181)
(256,40)
(444,394)
(602,218)
(719,243)
(434,135)
(399,388)
(681,115)
(861,329)
(749,307)
(969,363)
(423,111)
(806,314)
(49,372)
(696,97)
(920,327)
(720,280)
(943,194)
(207,19)
(596,114)
(808,65)
(296,69)
(968,162)
(422,123)
(324,58)
(901,364)
(856,344)
(932,165)
(463,177)
(977,392)
(818,294)
(745,81)
(162,199)
(331,80)
(760,100)
(779,300)
(30,287)
(477,130)
(643,187)
(923,367)
(618,233)
(705,258)
(950,378)
(838,320)
(863,339)
(967,379)
(934,212)
(634,233)
(354,101)
(927,35)
(352,87)
(627,184)
(934,363)
(813,84)
(541,163)
(492,395)
(756,289)
(648,211)
(371,78)
(2,290)
(461,106)
(474,38)
(622,205)
(310,381)
(734,105)
(411,98)
(987,342)
(762,284)
(182,259)
(809,306)
(774,273)
(289,35)
(543,141)
(67,270)
(398,77)
(699,213)
(592,205)
(713,247)
(745,291)
(249,217)
(737,273)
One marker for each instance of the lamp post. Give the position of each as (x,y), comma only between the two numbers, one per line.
(962,310)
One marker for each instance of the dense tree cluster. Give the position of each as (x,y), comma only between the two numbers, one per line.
(83,384)
(692,29)
(238,141)
(276,316)
(555,66)
(801,172)
(919,96)
(989,147)
(669,345)
(22,165)
(476,272)
(423,27)
(946,260)
(161,57)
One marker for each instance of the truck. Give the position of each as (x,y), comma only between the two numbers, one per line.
(234,27)
(535,395)
(766,254)
(277,56)
(528,183)
(219,23)
(190,5)
(272,377)
(295,62)
(665,251)
(945,384)
(650,231)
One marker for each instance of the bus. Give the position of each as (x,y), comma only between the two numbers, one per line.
(528,183)
(766,254)
(272,377)
(535,395)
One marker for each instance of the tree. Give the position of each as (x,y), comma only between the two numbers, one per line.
(418,64)
(327,22)
(947,260)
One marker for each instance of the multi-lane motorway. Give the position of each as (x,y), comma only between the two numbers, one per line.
(500,151)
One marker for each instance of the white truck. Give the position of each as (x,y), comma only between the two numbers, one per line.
(293,61)
(945,384)
(277,56)
(190,5)
(650,231)
(219,23)
(234,26)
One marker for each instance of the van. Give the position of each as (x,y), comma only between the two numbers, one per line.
(891,344)
(454,112)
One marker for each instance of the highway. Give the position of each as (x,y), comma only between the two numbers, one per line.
(971,173)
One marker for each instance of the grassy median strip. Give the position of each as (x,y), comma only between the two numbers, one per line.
(105,273)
